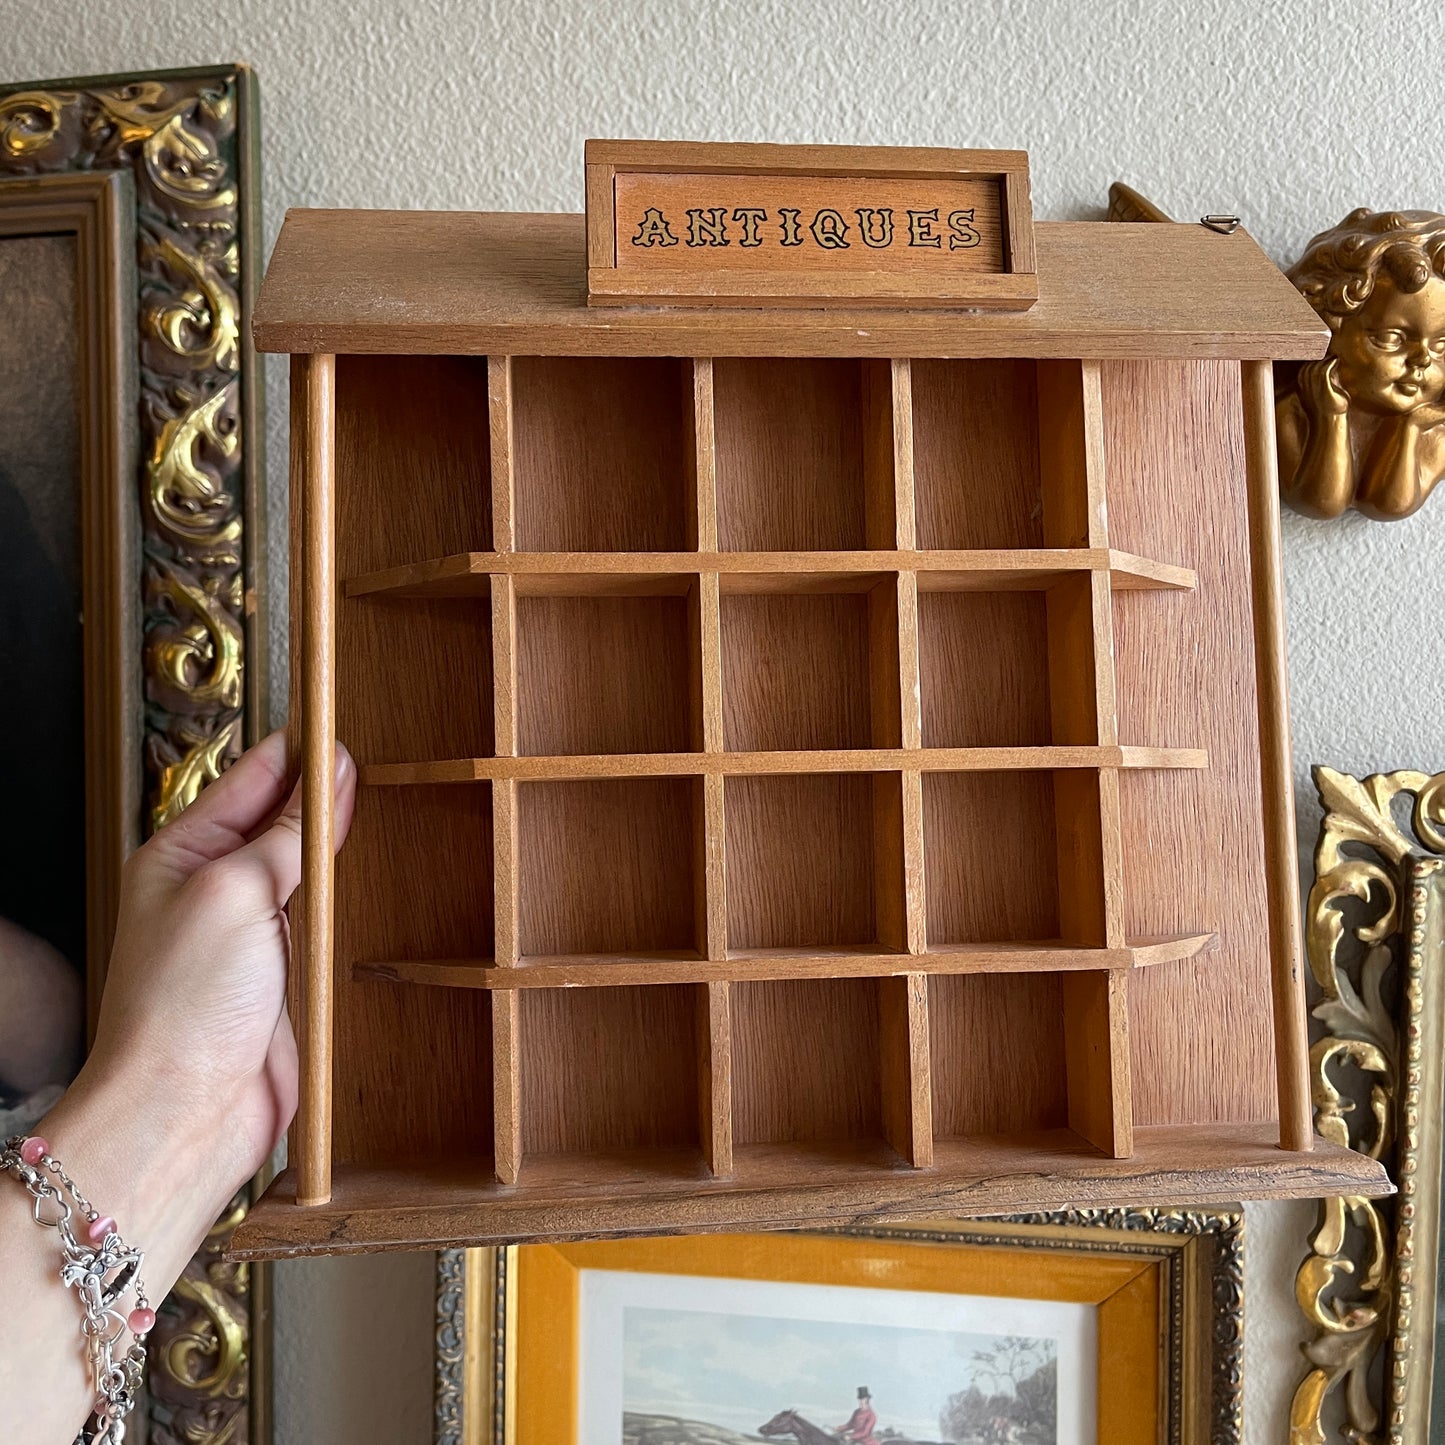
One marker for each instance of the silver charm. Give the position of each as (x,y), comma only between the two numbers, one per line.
(101,1276)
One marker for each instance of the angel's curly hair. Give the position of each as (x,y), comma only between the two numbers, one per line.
(1339,268)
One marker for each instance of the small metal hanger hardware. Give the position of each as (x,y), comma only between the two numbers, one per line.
(1225,225)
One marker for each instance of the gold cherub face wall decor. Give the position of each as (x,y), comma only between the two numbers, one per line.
(1365,426)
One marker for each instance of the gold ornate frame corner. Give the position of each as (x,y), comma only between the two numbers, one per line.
(188,141)
(1375,935)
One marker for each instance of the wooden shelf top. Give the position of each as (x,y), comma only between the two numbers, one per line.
(477,283)
(667,1192)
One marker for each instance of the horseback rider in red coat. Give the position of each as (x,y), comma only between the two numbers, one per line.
(862,1422)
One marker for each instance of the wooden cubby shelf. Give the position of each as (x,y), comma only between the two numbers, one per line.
(469,574)
(809,767)
(742,764)
(743,964)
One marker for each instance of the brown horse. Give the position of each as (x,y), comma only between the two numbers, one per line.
(789,1422)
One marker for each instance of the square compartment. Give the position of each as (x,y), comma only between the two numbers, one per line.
(414,678)
(601,453)
(609,674)
(984,667)
(806,1061)
(996,1043)
(990,858)
(413,446)
(608,866)
(609,1069)
(814,861)
(811,670)
(414,882)
(976,455)
(798,465)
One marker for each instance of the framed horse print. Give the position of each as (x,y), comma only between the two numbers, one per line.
(1091,1328)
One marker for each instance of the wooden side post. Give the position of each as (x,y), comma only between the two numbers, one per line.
(1296,1125)
(311,1136)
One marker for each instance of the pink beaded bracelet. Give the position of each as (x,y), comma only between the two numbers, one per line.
(102,1274)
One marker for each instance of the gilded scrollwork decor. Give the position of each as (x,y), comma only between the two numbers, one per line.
(1376,950)
(187,139)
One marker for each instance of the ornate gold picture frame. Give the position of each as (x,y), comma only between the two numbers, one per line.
(1375,934)
(156,177)
(1195,1258)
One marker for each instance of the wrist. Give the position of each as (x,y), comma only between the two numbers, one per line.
(144,1157)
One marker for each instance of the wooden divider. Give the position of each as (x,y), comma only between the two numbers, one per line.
(714,1028)
(1083,711)
(715,1075)
(507,1041)
(905,1060)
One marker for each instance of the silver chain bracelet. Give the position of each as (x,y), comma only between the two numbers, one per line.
(102,1271)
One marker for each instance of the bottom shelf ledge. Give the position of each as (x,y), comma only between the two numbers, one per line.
(443,1205)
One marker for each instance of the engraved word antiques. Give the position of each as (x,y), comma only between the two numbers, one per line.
(758,225)
(828,229)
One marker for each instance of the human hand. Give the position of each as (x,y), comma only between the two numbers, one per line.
(1320,389)
(193,1075)
(195,996)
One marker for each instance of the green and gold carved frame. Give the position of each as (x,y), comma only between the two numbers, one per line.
(186,139)
(1375,932)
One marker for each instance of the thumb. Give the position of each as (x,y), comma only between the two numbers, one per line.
(274,854)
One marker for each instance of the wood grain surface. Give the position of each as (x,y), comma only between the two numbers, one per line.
(598,454)
(608,1069)
(412,447)
(1202,1044)
(800,861)
(790,459)
(451,1203)
(606,866)
(997,1042)
(476,283)
(604,675)
(386,1105)
(983,660)
(976,455)
(805,1061)
(990,857)
(795,672)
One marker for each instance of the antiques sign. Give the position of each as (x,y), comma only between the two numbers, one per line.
(763,225)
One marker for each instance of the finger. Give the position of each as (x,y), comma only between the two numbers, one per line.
(225,814)
(274,854)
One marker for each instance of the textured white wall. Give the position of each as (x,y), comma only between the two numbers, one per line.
(1289,114)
